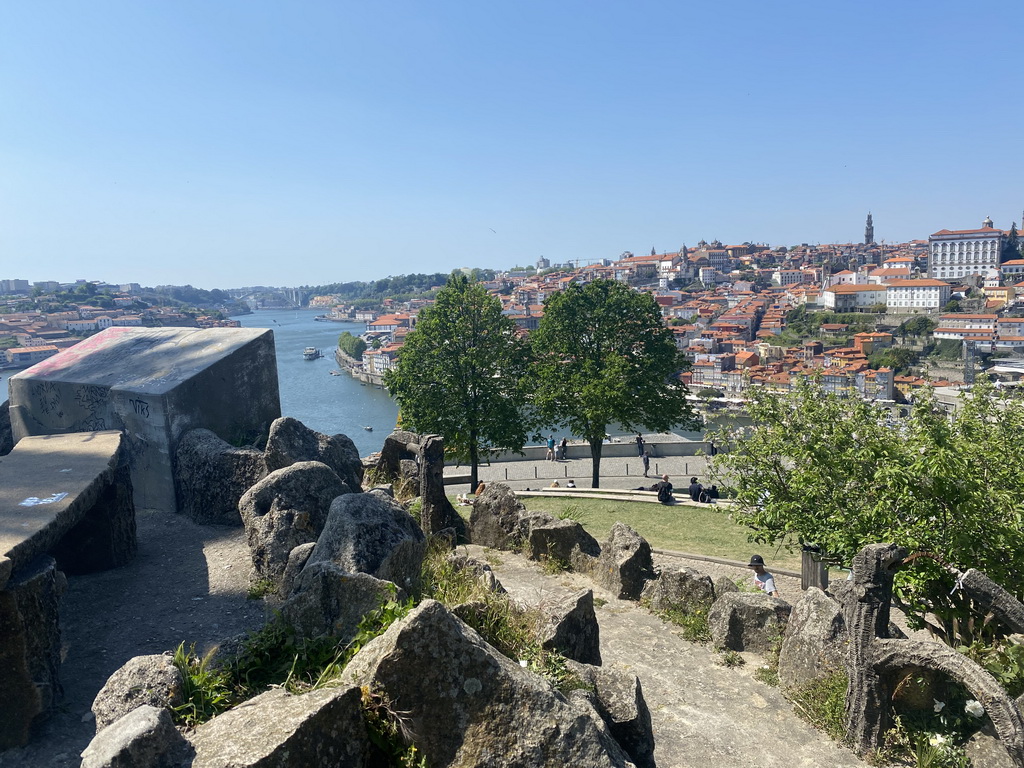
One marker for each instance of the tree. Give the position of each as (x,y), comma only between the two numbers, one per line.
(353,346)
(461,373)
(603,356)
(1011,246)
(838,473)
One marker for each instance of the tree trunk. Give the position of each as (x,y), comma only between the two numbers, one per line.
(474,462)
(595,462)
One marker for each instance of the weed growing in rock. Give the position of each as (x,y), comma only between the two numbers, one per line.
(822,703)
(389,731)
(415,509)
(260,588)
(553,566)
(275,655)
(768,673)
(694,624)
(729,658)
(205,689)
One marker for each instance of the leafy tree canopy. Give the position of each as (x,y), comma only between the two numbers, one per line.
(353,346)
(898,358)
(837,473)
(461,374)
(605,357)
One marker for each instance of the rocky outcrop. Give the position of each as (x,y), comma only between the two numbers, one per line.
(625,564)
(815,642)
(683,589)
(152,681)
(619,699)
(557,539)
(29,648)
(287,508)
(571,628)
(297,560)
(481,571)
(372,533)
(290,441)
(744,621)
(210,476)
(470,706)
(146,736)
(279,730)
(327,600)
(499,520)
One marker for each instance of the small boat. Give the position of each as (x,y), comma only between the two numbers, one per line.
(368,429)
(312,353)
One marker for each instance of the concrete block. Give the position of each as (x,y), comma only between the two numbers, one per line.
(154,384)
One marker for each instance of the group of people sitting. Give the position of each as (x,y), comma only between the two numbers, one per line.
(701,494)
(466,500)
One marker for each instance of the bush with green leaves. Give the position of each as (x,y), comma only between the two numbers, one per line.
(838,473)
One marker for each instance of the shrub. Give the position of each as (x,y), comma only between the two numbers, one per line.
(822,703)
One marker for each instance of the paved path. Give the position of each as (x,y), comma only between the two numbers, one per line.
(703,714)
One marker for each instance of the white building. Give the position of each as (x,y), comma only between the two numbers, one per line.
(843,298)
(954,254)
(914,296)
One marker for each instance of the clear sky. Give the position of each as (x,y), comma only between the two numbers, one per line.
(240,142)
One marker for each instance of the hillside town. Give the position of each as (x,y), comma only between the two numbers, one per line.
(875,319)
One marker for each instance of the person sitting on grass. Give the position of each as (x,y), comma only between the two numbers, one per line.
(696,489)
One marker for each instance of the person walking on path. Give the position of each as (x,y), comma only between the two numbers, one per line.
(645,459)
(551,448)
(764,580)
(639,444)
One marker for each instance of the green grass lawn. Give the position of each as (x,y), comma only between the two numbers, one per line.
(699,530)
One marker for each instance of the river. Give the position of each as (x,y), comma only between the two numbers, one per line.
(328,404)
(332,404)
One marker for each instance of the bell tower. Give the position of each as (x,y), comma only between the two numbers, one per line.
(869,231)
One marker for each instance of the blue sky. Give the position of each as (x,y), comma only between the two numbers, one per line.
(228,142)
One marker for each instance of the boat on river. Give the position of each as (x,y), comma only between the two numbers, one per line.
(312,353)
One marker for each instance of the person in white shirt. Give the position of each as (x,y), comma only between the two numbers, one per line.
(764,580)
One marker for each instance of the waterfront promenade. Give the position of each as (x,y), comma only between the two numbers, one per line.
(617,471)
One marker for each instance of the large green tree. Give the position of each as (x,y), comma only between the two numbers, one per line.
(841,474)
(461,374)
(603,356)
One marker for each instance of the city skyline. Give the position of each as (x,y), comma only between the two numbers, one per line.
(229,144)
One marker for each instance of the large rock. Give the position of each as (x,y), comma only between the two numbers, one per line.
(744,621)
(372,533)
(481,571)
(287,508)
(29,649)
(500,521)
(619,700)
(558,539)
(143,681)
(297,559)
(470,706)
(683,589)
(571,628)
(291,441)
(625,564)
(815,642)
(143,738)
(279,730)
(211,475)
(327,600)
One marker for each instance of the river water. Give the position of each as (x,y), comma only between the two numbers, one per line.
(309,393)
(332,404)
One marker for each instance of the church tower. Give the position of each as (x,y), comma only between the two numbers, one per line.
(869,231)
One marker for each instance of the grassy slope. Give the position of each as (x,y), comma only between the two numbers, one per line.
(702,530)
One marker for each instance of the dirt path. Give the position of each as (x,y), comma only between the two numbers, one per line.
(188,583)
(704,714)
